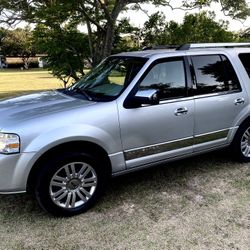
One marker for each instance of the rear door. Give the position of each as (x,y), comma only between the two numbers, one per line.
(219,99)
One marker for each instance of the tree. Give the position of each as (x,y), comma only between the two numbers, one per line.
(153,32)
(100,16)
(244,35)
(19,42)
(2,36)
(202,27)
(66,48)
(125,37)
(199,27)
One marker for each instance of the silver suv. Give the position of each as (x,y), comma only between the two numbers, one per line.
(132,111)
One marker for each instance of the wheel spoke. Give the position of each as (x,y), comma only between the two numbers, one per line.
(245,137)
(81,196)
(73,170)
(59,178)
(57,184)
(247,151)
(244,142)
(61,196)
(59,192)
(86,172)
(91,179)
(89,182)
(85,192)
(73,199)
(66,168)
(68,200)
(92,184)
(247,133)
(82,170)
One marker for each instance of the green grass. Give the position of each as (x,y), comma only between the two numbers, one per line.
(17,82)
(196,203)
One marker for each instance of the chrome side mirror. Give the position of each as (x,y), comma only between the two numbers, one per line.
(145,97)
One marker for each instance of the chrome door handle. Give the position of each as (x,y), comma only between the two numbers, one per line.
(239,101)
(181,111)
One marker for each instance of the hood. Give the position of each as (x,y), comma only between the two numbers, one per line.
(36,105)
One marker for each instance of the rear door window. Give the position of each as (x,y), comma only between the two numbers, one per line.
(214,74)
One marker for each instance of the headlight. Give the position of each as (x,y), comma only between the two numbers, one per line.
(9,143)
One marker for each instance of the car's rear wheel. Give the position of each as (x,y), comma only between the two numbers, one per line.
(241,143)
(70,184)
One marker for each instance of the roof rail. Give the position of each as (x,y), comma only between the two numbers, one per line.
(156,47)
(212,45)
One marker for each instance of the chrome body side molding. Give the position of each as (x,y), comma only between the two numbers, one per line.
(158,148)
(177,144)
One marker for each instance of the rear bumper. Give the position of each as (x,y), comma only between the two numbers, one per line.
(14,172)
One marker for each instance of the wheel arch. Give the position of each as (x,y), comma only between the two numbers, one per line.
(74,146)
(244,121)
(241,123)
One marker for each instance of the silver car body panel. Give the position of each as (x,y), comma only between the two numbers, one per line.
(133,138)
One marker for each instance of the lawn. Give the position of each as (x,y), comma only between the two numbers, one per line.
(16,82)
(197,203)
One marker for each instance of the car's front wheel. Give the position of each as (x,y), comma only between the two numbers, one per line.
(70,184)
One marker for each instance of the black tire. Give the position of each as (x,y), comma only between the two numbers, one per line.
(43,187)
(237,149)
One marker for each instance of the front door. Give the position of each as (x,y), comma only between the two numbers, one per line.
(157,132)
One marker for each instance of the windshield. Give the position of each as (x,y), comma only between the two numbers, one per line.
(109,78)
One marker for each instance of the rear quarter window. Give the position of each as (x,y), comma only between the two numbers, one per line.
(245,59)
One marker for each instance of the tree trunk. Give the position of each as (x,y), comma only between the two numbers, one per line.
(104,45)
(108,43)
(26,62)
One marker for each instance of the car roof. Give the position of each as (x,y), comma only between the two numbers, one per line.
(191,48)
(147,53)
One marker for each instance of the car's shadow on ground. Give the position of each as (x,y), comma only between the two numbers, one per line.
(136,186)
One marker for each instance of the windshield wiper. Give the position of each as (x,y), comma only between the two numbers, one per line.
(83,92)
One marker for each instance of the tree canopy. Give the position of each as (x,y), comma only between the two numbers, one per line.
(66,49)
(100,16)
(56,29)
(199,27)
(18,42)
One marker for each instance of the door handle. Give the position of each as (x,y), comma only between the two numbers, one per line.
(181,111)
(239,101)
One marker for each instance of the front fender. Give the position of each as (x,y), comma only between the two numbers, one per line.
(49,139)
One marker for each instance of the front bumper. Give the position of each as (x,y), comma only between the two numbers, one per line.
(14,172)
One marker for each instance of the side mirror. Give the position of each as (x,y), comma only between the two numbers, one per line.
(145,97)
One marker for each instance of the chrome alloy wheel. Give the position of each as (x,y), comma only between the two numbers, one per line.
(245,143)
(73,185)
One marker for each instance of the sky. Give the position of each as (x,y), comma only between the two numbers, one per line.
(138,17)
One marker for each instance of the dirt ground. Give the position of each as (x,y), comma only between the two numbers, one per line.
(196,203)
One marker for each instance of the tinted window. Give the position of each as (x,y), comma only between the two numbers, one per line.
(231,79)
(214,73)
(168,77)
(109,78)
(245,59)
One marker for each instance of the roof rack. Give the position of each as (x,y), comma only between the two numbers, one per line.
(156,47)
(212,45)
